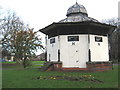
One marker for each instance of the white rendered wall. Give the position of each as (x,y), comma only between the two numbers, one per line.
(52,49)
(99,50)
(74,55)
(77,55)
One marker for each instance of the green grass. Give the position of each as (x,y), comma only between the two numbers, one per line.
(35,64)
(38,62)
(9,62)
(27,78)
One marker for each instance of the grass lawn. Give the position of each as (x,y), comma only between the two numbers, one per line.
(13,77)
(8,62)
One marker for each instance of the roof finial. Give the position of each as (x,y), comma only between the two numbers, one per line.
(76,2)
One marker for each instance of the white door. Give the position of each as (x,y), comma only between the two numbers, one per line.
(78,51)
(73,52)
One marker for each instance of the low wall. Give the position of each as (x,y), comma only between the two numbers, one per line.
(91,66)
(56,66)
(99,66)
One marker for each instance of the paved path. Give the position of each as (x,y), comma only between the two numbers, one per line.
(116,64)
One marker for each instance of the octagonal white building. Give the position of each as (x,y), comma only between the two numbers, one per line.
(78,42)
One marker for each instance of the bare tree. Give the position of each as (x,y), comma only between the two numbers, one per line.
(118,30)
(111,21)
(19,39)
(24,45)
(10,24)
(114,39)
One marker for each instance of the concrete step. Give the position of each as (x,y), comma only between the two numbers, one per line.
(46,66)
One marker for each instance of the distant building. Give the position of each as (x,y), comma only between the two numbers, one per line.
(78,42)
(40,57)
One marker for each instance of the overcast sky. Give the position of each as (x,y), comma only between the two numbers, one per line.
(40,13)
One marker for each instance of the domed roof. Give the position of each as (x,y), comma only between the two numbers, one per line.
(77,13)
(76,8)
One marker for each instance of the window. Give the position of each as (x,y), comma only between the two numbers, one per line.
(73,38)
(52,40)
(98,39)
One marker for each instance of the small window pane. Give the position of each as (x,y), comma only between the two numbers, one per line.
(98,39)
(52,40)
(73,38)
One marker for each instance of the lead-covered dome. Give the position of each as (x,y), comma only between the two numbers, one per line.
(75,9)
(77,13)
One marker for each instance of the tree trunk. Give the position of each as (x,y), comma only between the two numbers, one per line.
(25,62)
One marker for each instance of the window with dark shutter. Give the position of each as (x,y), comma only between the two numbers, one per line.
(52,40)
(73,38)
(98,39)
